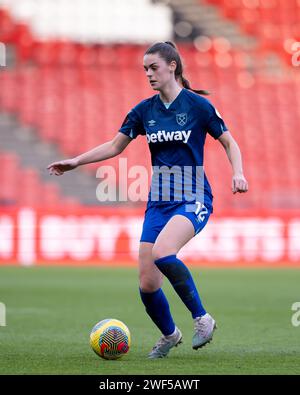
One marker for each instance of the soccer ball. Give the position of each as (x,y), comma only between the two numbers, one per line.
(110,339)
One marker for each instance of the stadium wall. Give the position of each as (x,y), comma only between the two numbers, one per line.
(110,236)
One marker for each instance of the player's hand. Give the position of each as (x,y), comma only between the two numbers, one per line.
(239,184)
(58,168)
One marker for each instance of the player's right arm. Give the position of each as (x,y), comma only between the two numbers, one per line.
(104,151)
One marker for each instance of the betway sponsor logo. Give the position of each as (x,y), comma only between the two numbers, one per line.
(162,135)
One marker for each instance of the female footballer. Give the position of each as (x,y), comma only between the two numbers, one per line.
(175,122)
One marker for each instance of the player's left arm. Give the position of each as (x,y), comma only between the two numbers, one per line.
(239,182)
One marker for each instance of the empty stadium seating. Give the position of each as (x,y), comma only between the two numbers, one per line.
(23,186)
(276,23)
(77,96)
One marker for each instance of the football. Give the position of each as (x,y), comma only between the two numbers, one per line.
(110,339)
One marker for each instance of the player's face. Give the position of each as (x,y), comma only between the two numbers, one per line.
(158,71)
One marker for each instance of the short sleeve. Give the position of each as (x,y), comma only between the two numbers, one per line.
(132,125)
(215,125)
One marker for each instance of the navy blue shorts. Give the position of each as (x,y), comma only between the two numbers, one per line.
(156,218)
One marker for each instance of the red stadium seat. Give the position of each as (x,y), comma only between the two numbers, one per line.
(9,178)
(50,195)
(29,188)
(7,27)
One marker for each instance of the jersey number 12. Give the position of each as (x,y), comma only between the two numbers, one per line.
(201,210)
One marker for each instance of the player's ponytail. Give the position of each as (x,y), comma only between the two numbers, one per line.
(168,51)
(186,84)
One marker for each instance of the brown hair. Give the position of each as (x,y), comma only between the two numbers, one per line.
(168,51)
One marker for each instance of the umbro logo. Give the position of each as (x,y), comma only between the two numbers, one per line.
(152,122)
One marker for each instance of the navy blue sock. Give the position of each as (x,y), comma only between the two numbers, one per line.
(158,309)
(182,281)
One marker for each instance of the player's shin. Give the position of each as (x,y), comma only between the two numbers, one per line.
(158,309)
(182,281)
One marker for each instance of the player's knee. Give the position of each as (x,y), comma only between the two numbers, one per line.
(149,288)
(160,251)
(144,257)
(149,285)
(150,278)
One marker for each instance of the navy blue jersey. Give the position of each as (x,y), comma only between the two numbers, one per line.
(176,138)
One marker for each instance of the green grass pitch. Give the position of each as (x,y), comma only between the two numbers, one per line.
(50,312)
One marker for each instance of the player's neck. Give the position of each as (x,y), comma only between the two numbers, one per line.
(169,93)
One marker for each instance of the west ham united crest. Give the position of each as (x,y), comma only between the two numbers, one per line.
(181,119)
